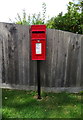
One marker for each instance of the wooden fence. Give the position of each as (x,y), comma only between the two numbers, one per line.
(61,69)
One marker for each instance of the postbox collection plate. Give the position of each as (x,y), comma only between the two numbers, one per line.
(38,48)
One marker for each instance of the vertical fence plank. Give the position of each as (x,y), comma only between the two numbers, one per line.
(74,61)
(20,54)
(5,62)
(61,60)
(25,54)
(0,59)
(11,51)
(54,59)
(66,45)
(81,60)
(49,58)
(78,57)
(33,73)
(1,74)
(16,67)
(69,61)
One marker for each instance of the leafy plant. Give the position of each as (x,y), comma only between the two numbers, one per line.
(71,21)
(32,19)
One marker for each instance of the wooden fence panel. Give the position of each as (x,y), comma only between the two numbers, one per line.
(63,64)
(18,67)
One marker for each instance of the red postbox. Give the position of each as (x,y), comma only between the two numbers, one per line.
(38,42)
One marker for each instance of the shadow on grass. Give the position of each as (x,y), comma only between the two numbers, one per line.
(51,105)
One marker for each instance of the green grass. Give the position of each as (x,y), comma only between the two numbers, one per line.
(24,104)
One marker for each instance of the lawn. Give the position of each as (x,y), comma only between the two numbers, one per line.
(24,104)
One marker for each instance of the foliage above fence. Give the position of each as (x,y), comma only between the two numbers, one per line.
(71,21)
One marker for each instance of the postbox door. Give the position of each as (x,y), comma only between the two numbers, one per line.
(38,50)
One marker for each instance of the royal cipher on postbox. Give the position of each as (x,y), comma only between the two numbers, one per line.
(38,42)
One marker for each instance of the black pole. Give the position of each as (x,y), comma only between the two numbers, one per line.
(38,79)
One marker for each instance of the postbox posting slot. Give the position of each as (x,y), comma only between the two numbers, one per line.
(39,34)
(38,31)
